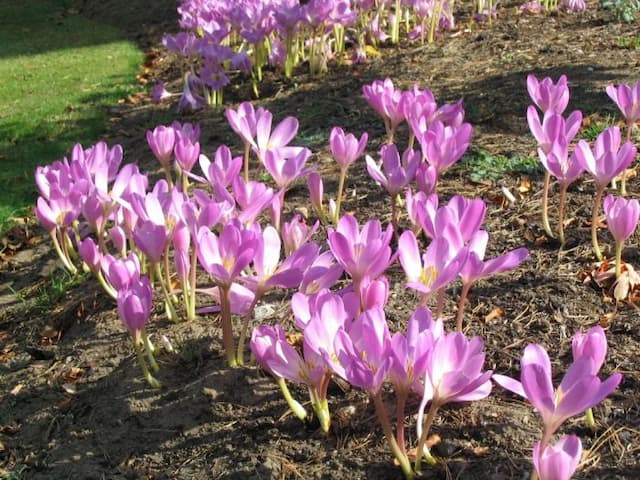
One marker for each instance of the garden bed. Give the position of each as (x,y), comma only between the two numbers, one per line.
(74,405)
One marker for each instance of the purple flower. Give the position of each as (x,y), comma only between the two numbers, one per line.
(437,267)
(187,152)
(622,216)
(554,127)
(476,267)
(442,145)
(454,371)
(607,159)
(627,98)
(159,92)
(225,256)
(161,141)
(346,148)
(592,344)
(363,253)
(547,95)
(579,389)
(559,461)
(383,97)
(397,172)
(363,351)
(134,304)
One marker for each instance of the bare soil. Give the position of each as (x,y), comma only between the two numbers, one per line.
(73,405)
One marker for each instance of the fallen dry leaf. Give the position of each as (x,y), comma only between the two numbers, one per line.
(495,313)
(479,451)
(17,389)
(70,388)
(607,319)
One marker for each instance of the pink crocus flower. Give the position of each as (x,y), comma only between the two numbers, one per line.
(188,130)
(346,149)
(476,267)
(554,127)
(388,101)
(363,252)
(437,266)
(396,172)
(409,352)
(453,374)
(151,239)
(559,461)
(592,344)
(454,371)
(549,96)
(285,165)
(243,120)
(579,389)
(362,352)
(187,153)
(442,145)
(268,140)
(252,197)
(557,162)
(627,98)
(159,92)
(162,141)
(466,214)
(323,273)
(224,168)
(622,216)
(135,303)
(296,233)
(224,256)
(120,273)
(607,159)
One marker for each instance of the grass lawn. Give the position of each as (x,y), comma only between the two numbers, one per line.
(59,72)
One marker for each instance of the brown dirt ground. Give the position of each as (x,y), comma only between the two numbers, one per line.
(212,422)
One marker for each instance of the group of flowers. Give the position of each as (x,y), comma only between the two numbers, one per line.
(139,240)
(219,39)
(605,162)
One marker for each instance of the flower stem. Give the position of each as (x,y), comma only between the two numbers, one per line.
(247,147)
(623,182)
(463,300)
(426,426)
(591,422)
(402,458)
(143,365)
(619,246)
(594,222)
(401,395)
(148,348)
(440,303)
(545,204)
(394,213)
(297,409)
(343,176)
(563,196)
(227,326)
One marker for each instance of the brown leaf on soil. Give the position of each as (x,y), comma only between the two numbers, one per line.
(607,319)
(17,389)
(71,376)
(479,451)
(495,313)
(525,186)
(65,404)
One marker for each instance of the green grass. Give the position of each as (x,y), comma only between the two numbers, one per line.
(59,72)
